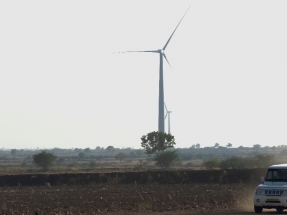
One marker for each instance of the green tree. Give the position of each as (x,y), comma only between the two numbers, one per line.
(256,146)
(13,152)
(216,145)
(229,145)
(44,159)
(78,150)
(197,145)
(110,148)
(87,150)
(121,156)
(157,143)
(192,147)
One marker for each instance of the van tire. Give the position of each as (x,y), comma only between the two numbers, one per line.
(258,209)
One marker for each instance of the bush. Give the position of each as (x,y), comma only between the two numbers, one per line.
(166,159)
(81,155)
(211,164)
(44,159)
(237,163)
(264,160)
(121,156)
(258,160)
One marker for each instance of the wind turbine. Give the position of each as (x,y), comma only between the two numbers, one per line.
(161,91)
(168,118)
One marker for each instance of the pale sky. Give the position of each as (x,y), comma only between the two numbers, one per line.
(62,85)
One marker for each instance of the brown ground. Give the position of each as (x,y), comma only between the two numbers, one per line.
(127,199)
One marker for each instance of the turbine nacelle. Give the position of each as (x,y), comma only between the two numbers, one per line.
(168,117)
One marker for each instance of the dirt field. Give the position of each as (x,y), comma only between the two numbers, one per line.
(127,199)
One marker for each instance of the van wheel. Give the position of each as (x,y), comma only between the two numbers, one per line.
(279,210)
(258,209)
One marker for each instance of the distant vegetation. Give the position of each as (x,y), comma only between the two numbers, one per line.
(234,162)
(128,159)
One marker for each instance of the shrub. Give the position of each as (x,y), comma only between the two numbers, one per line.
(81,155)
(121,156)
(44,159)
(258,160)
(211,164)
(166,159)
(264,160)
(233,163)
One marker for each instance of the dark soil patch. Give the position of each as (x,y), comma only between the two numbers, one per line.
(144,177)
(125,198)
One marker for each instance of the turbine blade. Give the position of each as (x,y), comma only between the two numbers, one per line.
(154,51)
(165,115)
(165,107)
(166,60)
(174,30)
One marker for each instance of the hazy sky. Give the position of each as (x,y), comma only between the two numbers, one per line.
(62,85)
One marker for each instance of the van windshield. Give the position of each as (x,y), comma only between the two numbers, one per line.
(276,175)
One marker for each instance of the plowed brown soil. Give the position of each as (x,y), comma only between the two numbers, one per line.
(126,199)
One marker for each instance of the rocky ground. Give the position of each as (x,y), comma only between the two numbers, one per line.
(126,198)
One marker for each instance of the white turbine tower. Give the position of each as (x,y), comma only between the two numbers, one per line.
(161,91)
(168,118)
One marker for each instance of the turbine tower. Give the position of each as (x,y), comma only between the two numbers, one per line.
(161,91)
(168,118)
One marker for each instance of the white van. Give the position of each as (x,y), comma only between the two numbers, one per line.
(272,193)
